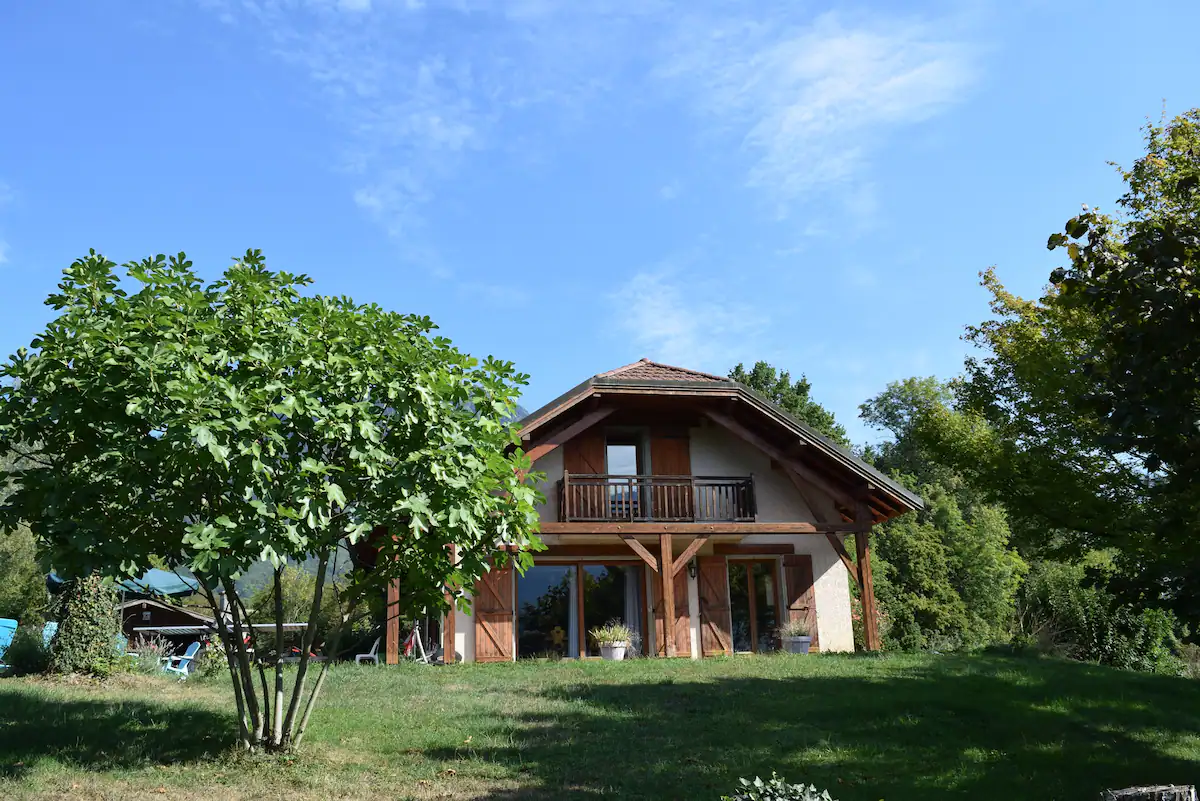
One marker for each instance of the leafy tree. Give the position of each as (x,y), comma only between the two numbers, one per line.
(793,397)
(87,637)
(1135,274)
(215,425)
(23,585)
(23,588)
(949,572)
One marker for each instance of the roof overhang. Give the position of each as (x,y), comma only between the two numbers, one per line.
(886,497)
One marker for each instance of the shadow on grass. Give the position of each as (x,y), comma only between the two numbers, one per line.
(101,735)
(977,727)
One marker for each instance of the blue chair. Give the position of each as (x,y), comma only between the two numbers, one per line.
(8,628)
(181,666)
(48,632)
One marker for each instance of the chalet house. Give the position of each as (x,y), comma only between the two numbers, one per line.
(693,510)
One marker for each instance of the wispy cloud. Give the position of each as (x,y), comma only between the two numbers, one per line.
(669,191)
(809,102)
(675,318)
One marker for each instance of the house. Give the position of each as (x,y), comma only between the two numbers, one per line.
(145,612)
(693,510)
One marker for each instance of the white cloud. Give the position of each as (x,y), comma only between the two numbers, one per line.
(679,320)
(7,194)
(810,102)
(669,191)
(3,252)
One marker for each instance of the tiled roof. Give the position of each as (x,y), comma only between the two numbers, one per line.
(646,370)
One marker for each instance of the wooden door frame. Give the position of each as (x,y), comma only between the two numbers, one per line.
(749,560)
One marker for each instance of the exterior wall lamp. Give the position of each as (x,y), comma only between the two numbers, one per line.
(692,568)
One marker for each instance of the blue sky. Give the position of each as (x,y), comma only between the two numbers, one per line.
(575,185)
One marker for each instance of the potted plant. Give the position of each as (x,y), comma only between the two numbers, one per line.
(613,638)
(796,636)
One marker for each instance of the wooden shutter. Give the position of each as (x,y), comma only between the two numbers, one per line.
(671,455)
(716,630)
(682,624)
(494,616)
(584,453)
(801,597)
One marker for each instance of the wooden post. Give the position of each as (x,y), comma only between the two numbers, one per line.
(391,635)
(449,656)
(666,574)
(862,545)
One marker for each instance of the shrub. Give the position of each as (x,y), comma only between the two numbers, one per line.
(1061,614)
(614,632)
(88,629)
(794,627)
(210,661)
(776,790)
(27,654)
(150,651)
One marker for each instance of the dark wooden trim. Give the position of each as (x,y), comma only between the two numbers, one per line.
(613,551)
(559,436)
(730,549)
(685,557)
(696,529)
(840,549)
(862,544)
(667,576)
(641,551)
(778,454)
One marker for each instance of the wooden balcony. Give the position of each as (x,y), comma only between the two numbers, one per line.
(594,498)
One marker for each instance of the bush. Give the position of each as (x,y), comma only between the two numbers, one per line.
(150,651)
(776,790)
(1063,615)
(27,654)
(88,629)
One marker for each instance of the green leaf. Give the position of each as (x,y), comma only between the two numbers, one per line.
(335,494)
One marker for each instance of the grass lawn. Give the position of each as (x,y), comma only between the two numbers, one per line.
(898,728)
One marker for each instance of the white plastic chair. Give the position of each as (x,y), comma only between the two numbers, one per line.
(371,656)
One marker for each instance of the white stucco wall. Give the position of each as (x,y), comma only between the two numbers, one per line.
(552,465)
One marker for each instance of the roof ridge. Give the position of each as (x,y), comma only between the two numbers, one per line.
(647,363)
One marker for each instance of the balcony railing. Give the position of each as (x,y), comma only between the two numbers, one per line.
(594,498)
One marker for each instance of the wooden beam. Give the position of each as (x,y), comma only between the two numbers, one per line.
(696,529)
(779,455)
(688,553)
(727,549)
(862,544)
(840,549)
(391,632)
(641,551)
(561,435)
(666,575)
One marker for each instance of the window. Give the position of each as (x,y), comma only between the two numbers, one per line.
(754,604)
(558,604)
(545,624)
(623,457)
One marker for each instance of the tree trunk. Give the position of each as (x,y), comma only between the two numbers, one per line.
(277,734)
(305,646)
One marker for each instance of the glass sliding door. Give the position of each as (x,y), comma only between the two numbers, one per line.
(611,592)
(754,604)
(546,625)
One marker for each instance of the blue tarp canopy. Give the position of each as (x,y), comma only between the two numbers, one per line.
(152,582)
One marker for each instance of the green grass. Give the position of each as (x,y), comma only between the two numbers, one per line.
(898,727)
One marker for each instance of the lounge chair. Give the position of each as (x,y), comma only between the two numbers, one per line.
(48,632)
(371,656)
(181,666)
